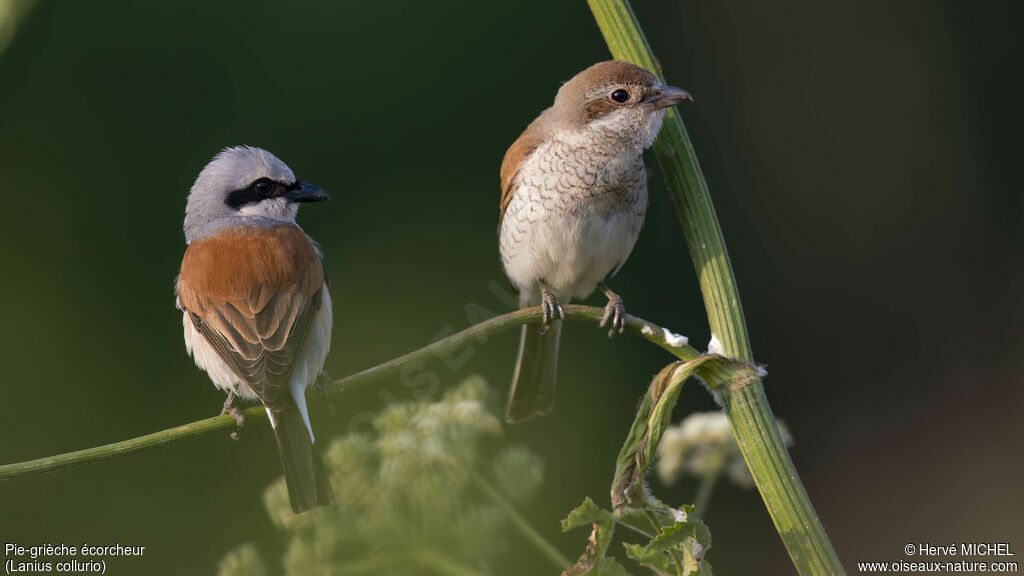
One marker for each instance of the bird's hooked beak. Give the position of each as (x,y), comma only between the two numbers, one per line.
(303,192)
(665,96)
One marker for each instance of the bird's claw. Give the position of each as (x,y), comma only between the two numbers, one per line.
(552,311)
(322,381)
(232,409)
(614,315)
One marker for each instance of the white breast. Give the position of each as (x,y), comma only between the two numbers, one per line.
(575,215)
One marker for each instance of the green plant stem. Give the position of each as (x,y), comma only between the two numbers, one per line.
(481,331)
(441,563)
(622,522)
(686,186)
(470,336)
(747,406)
(657,530)
(543,546)
(364,566)
(12,14)
(704,490)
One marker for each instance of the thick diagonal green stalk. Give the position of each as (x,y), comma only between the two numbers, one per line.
(746,406)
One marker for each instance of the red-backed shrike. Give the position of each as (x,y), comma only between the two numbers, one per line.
(573,198)
(256,310)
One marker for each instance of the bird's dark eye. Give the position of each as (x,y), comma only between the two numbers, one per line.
(263,187)
(620,95)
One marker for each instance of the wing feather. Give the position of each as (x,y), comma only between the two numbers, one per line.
(516,154)
(254,296)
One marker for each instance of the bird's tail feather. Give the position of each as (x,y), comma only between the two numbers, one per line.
(533,382)
(304,471)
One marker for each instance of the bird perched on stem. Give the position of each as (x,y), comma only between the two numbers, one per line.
(256,310)
(573,198)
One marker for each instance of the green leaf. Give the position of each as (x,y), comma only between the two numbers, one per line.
(592,561)
(659,562)
(655,412)
(690,539)
(690,566)
(694,565)
(671,537)
(702,534)
(676,536)
(586,513)
(610,567)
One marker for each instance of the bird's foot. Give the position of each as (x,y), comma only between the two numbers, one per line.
(322,381)
(552,310)
(231,407)
(614,313)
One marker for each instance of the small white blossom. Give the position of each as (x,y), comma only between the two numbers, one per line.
(703,444)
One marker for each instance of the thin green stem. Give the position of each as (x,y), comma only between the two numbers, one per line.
(657,530)
(12,14)
(746,406)
(472,335)
(479,332)
(441,563)
(364,566)
(637,529)
(704,490)
(543,546)
(652,519)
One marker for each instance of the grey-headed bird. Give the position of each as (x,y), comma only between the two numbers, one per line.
(573,198)
(256,310)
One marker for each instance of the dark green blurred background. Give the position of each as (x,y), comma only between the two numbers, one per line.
(864,159)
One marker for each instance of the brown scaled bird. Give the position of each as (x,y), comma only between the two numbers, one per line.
(573,198)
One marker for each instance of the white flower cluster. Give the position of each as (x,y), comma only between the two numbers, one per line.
(405,487)
(702,445)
